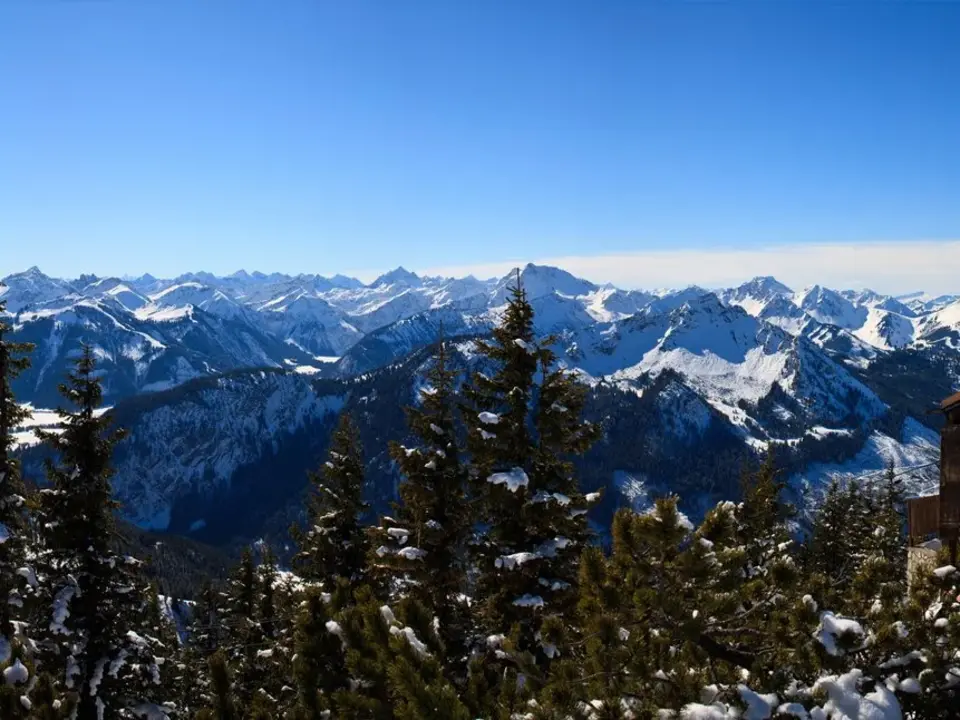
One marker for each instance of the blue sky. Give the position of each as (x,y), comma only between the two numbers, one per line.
(303,135)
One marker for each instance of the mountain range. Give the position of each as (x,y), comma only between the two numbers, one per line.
(221,377)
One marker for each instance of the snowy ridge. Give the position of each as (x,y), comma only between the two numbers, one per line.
(603,330)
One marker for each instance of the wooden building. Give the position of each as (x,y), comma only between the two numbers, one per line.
(938,516)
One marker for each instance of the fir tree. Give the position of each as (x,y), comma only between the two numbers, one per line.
(318,668)
(838,544)
(241,641)
(334,543)
(421,552)
(17,581)
(91,635)
(221,689)
(206,633)
(392,660)
(528,495)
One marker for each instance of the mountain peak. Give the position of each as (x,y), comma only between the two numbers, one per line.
(399,275)
(770,284)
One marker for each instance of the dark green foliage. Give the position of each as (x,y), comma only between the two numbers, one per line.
(15,531)
(334,544)
(221,689)
(421,551)
(523,436)
(90,621)
(318,670)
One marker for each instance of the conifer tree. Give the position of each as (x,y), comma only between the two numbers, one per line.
(421,552)
(90,630)
(334,544)
(318,668)
(223,706)
(521,441)
(241,599)
(17,581)
(392,660)
(838,544)
(207,632)
(246,631)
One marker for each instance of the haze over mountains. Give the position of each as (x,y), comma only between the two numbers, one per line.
(840,378)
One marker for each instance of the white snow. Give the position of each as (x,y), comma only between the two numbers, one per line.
(400,534)
(387,614)
(545,497)
(16,674)
(832,628)
(759,707)
(412,553)
(942,572)
(513,479)
(334,627)
(845,700)
(509,562)
(419,647)
(527,600)
(523,344)
(61,609)
(488,418)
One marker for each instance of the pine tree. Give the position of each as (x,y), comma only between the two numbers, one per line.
(17,580)
(421,552)
(521,441)
(206,633)
(392,660)
(272,635)
(241,641)
(91,635)
(318,668)
(838,544)
(223,706)
(335,543)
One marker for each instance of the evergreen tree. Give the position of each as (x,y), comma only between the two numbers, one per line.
(391,657)
(521,441)
(838,544)
(421,552)
(241,638)
(221,689)
(206,633)
(90,631)
(335,543)
(17,580)
(247,630)
(318,668)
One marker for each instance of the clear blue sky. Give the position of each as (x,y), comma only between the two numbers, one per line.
(302,135)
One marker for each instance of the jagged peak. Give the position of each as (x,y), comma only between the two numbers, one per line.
(399,275)
(769,284)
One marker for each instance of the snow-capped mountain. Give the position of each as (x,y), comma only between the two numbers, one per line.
(674,374)
(538,280)
(276,320)
(755,295)
(32,287)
